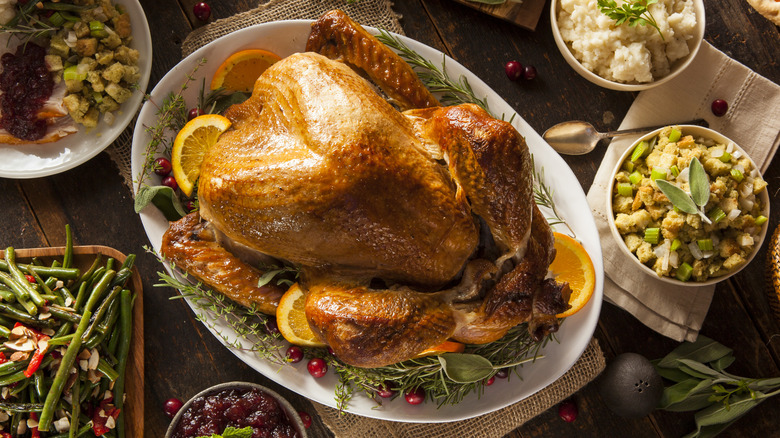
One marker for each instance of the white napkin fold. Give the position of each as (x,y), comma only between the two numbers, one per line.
(752,121)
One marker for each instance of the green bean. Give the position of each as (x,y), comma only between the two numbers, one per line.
(126,330)
(110,263)
(15,420)
(60,340)
(87,275)
(97,291)
(81,297)
(63,314)
(104,326)
(22,294)
(39,280)
(129,262)
(74,418)
(45,271)
(121,277)
(7,294)
(19,375)
(101,311)
(39,384)
(67,258)
(11,367)
(65,292)
(21,407)
(113,340)
(85,429)
(4,331)
(6,321)
(64,330)
(105,368)
(19,388)
(55,392)
(90,388)
(36,261)
(66,7)
(16,314)
(16,273)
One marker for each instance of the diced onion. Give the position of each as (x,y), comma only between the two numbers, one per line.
(717,153)
(739,167)
(674,259)
(730,147)
(683,176)
(746,189)
(746,204)
(754,173)
(745,240)
(109,118)
(715,240)
(737,155)
(707,254)
(695,251)
(733,214)
(71,39)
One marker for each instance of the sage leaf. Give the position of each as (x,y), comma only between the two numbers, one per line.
(703,350)
(709,431)
(679,392)
(691,403)
(465,368)
(226,101)
(739,405)
(699,183)
(677,196)
(489,2)
(722,363)
(765,384)
(699,368)
(672,374)
(164,198)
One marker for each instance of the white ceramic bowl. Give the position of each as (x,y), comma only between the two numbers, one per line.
(677,67)
(696,131)
(292,414)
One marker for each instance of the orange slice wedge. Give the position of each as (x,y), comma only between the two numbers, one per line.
(291,319)
(572,264)
(191,145)
(240,71)
(444,347)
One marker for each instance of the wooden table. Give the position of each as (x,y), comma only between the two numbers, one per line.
(183,358)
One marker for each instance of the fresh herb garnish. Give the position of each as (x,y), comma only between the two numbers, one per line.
(232,432)
(636,13)
(702,385)
(699,184)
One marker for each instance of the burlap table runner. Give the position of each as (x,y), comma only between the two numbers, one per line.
(378,13)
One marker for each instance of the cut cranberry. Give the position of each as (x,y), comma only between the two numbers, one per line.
(170,181)
(202,11)
(294,354)
(271,327)
(305,418)
(195,112)
(162,166)
(719,107)
(172,406)
(514,70)
(415,397)
(490,381)
(317,367)
(385,390)
(503,373)
(529,73)
(568,411)
(191,205)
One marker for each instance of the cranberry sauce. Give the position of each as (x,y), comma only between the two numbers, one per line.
(238,408)
(26,85)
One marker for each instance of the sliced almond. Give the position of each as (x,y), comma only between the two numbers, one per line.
(19,355)
(94,359)
(44,316)
(84,354)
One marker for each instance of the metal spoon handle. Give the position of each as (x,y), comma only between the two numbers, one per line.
(700,122)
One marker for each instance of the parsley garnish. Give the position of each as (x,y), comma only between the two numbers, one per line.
(633,12)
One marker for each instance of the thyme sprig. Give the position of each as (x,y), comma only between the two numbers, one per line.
(437,80)
(636,13)
(248,323)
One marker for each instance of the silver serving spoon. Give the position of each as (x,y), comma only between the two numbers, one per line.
(579,138)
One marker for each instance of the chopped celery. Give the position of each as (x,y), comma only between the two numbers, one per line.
(639,151)
(635,178)
(628,166)
(97,29)
(658,174)
(705,244)
(761,219)
(652,235)
(675,170)
(684,272)
(716,215)
(56,19)
(726,157)
(674,135)
(624,189)
(737,175)
(676,244)
(72,74)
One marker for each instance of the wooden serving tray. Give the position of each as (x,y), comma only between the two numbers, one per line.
(83,256)
(525,14)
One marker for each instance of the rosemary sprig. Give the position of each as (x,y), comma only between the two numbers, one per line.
(636,13)
(171,117)
(543,196)
(436,79)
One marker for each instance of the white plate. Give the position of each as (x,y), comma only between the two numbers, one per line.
(37,160)
(287,37)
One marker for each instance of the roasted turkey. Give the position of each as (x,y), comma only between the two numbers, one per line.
(408,228)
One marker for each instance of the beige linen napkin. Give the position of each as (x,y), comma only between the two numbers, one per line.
(752,121)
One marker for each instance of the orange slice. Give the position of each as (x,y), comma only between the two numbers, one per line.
(444,347)
(240,71)
(572,264)
(291,319)
(191,145)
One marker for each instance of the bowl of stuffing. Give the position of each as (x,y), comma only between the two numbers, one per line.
(688,205)
(631,46)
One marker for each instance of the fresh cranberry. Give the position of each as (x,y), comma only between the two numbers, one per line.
(271,327)
(503,373)
(415,397)
(305,418)
(195,112)
(162,166)
(172,406)
(385,390)
(568,411)
(331,352)
(29,278)
(529,73)
(202,11)
(317,367)
(490,381)
(170,181)
(191,205)
(514,70)
(294,354)
(719,107)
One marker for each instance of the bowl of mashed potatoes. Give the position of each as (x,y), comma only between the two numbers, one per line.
(628,57)
(681,248)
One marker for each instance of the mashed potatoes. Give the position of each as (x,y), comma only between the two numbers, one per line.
(623,53)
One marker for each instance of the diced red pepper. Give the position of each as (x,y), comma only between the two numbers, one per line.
(99,421)
(30,278)
(37,332)
(37,358)
(34,430)
(3,359)
(5,435)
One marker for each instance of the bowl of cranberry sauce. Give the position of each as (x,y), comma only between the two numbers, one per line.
(238,405)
